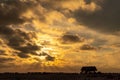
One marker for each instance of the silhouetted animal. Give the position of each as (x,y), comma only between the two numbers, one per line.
(88,69)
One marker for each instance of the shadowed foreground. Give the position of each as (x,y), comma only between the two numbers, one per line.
(59,76)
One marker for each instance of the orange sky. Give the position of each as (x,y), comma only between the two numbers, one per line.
(59,35)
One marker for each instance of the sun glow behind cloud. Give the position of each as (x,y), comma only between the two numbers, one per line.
(47,36)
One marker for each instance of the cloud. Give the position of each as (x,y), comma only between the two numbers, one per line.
(2,52)
(71,38)
(19,40)
(25,50)
(47,56)
(87,47)
(6,30)
(12,11)
(50,58)
(40,25)
(22,55)
(117,45)
(3,59)
(105,20)
(29,48)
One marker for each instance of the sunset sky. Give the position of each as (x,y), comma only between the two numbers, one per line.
(59,35)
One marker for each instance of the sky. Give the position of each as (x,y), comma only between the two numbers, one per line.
(59,35)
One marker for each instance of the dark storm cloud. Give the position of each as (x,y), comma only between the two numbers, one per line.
(3,59)
(15,11)
(107,19)
(6,30)
(22,55)
(2,52)
(26,50)
(116,45)
(50,58)
(16,38)
(88,1)
(10,11)
(87,47)
(29,48)
(47,56)
(17,41)
(71,38)
(20,37)
(49,4)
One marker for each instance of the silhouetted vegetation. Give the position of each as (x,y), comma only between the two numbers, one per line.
(87,73)
(58,76)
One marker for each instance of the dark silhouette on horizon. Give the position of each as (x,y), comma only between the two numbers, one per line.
(88,73)
(88,69)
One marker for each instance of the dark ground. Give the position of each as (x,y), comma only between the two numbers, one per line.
(59,76)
